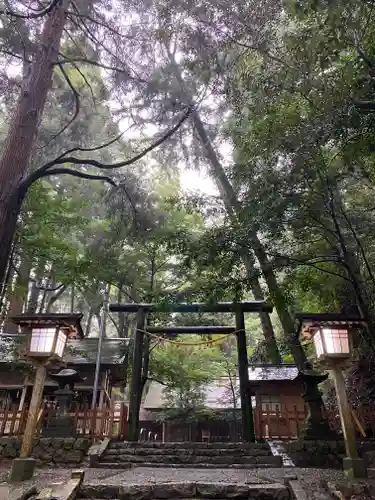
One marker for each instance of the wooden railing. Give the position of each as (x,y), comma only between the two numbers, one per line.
(12,421)
(96,424)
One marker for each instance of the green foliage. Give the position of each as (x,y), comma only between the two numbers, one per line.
(185,370)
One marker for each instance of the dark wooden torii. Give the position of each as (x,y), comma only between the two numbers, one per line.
(238,308)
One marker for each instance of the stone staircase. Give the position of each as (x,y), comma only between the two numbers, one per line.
(121,455)
(186,491)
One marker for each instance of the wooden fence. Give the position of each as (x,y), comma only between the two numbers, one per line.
(96,424)
(12,421)
(283,423)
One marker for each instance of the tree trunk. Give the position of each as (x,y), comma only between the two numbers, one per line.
(54,297)
(234,212)
(8,223)
(72,298)
(267,327)
(122,323)
(89,321)
(18,145)
(7,285)
(233,208)
(18,297)
(36,287)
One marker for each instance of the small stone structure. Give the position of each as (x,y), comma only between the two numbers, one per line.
(60,451)
(319,453)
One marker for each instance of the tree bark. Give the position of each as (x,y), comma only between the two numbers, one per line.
(36,287)
(18,296)
(89,321)
(7,285)
(18,145)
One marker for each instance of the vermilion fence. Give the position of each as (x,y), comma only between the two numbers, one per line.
(96,424)
(12,421)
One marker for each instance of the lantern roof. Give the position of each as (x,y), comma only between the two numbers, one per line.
(68,321)
(309,323)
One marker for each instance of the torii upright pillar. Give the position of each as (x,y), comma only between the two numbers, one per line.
(248,433)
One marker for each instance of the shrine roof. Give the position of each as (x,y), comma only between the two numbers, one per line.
(272,372)
(76,352)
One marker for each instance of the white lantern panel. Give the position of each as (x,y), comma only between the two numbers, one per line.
(60,344)
(336,341)
(318,341)
(42,340)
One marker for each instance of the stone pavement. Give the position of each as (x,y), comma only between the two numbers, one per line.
(43,477)
(144,475)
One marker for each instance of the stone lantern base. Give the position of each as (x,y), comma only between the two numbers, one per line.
(61,426)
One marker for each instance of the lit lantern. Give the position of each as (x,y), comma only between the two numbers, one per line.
(47,342)
(332,343)
(49,334)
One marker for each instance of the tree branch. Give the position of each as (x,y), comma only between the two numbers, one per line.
(33,15)
(40,172)
(60,171)
(85,80)
(91,62)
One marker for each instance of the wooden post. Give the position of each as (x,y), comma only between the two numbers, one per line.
(345,413)
(243,372)
(36,399)
(136,380)
(23,397)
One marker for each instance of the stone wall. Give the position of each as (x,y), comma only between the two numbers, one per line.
(308,453)
(61,451)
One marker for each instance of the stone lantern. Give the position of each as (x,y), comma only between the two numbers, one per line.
(62,425)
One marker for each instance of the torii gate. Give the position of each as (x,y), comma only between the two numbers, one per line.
(238,308)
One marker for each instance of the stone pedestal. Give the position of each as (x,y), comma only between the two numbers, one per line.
(354,467)
(22,469)
(60,426)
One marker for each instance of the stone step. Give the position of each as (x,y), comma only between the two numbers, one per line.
(275,462)
(190,445)
(189,451)
(153,465)
(189,459)
(185,490)
(208,466)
